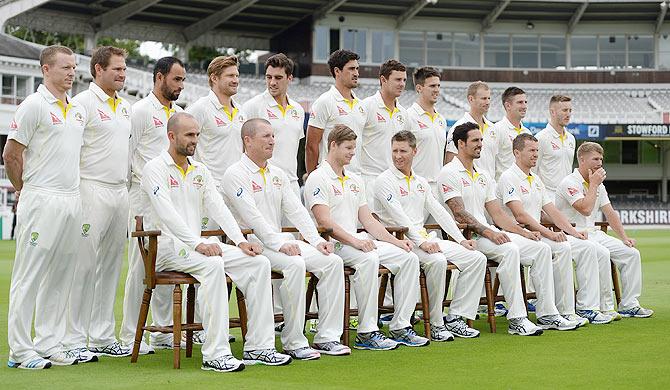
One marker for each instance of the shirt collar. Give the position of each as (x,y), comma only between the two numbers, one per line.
(157,103)
(270,101)
(509,124)
(519,173)
(330,171)
(251,166)
(419,110)
(102,95)
(399,174)
(338,95)
(169,161)
(50,98)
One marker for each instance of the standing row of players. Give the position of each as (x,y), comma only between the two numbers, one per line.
(67,159)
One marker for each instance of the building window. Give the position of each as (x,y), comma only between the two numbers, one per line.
(496,51)
(612,51)
(466,50)
(383,46)
(552,52)
(321,43)
(664,51)
(411,48)
(438,49)
(355,40)
(641,51)
(15,88)
(629,152)
(584,51)
(525,51)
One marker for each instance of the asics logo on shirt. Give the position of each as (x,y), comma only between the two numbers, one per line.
(511,191)
(239,192)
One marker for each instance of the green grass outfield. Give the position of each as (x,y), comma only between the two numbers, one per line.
(632,353)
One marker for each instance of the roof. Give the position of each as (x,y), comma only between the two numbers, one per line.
(14,47)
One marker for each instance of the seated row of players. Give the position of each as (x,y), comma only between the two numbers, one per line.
(101,121)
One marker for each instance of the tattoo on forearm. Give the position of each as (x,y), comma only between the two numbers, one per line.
(458,209)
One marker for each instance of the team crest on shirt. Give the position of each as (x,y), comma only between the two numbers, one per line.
(400,119)
(276,181)
(13,125)
(446,188)
(173,182)
(33,238)
(124,112)
(465,182)
(312,115)
(360,109)
(55,120)
(524,191)
(341,111)
(441,123)
(380,118)
(79,118)
(422,125)
(294,114)
(403,192)
(240,118)
(157,122)
(203,223)
(255,187)
(85,229)
(336,190)
(554,146)
(354,188)
(219,122)
(572,191)
(103,117)
(481,181)
(420,188)
(198,181)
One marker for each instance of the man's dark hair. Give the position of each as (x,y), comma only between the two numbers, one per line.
(280,61)
(461,132)
(164,65)
(421,74)
(510,93)
(519,142)
(339,58)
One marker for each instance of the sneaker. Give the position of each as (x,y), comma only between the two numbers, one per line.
(84,355)
(166,344)
(531,306)
(460,328)
(226,363)
(556,322)
(268,357)
(523,327)
(575,318)
(637,312)
(440,333)
(408,337)
(613,314)
(385,319)
(333,348)
(63,358)
(36,363)
(594,317)
(114,349)
(304,353)
(145,349)
(199,337)
(279,327)
(500,310)
(231,338)
(375,341)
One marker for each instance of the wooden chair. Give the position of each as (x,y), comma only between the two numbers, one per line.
(148,245)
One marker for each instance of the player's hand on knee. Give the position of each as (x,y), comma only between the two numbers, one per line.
(499,237)
(558,237)
(469,244)
(430,247)
(535,236)
(366,245)
(209,249)
(250,249)
(326,247)
(582,235)
(629,242)
(290,249)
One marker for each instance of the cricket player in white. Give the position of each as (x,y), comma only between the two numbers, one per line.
(582,197)
(428,126)
(402,199)
(261,199)
(338,105)
(557,145)
(285,114)
(385,117)
(104,198)
(498,152)
(479,99)
(42,162)
(337,200)
(526,196)
(148,139)
(178,189)
(470,194)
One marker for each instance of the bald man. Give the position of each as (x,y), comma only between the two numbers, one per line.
(178,189)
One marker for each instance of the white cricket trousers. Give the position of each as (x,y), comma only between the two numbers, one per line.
(161,301)
(250,274)
(292,291)
(584,254)
(628,263)
(99,261)
(403,265)
(527,252)
(48,235)
(471,264)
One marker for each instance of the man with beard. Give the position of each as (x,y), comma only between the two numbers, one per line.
(104,209)
(147,140)
(339,105)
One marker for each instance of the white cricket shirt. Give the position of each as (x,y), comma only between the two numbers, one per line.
(503,134)
(515,185)
(555,156)
(573,188)
(431,136)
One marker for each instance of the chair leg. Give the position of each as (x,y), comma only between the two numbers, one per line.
(345,332)
(523,290)
(176,324)
(615,283)
(383,285)
(141,322)
(190,318)
(490,300)
(425,304)
(242,309)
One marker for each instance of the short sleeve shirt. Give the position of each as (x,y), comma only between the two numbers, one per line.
(515,185)
(431,136)
(505,132)
(475,188)
(555,156)
(573,188)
